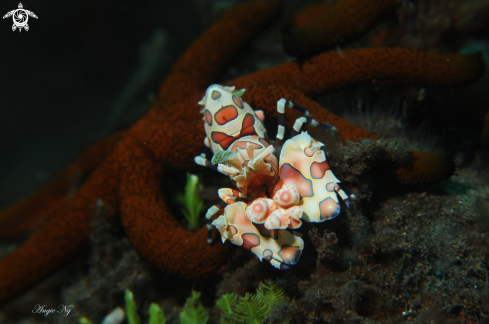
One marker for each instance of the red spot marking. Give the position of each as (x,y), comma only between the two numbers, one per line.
(258,208)
(319,169)
(290,254)
(248,126)
(225,114)
(328,209)
(267,254)
(233,229)
(215,94)
(265,232)
(250,240)
(238,102)
(208,117)
(222,139)
(264,142)
(285,197)
(330,186)
(242,145)
(291,175)
(308,152)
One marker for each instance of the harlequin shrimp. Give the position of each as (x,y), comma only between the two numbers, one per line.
(236,135)
(303,167)
(280,247)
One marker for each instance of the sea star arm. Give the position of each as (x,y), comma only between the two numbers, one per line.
(264,96)
(29,213)
(151,227)
(421,168)
(335,70)
(200,65)
(62,238)
(328,24)
(69,224)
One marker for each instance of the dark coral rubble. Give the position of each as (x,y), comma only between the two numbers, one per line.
(426,257)
(414,256)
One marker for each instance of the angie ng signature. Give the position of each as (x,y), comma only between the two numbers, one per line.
(43,309)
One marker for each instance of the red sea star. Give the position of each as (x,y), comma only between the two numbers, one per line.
(125,172)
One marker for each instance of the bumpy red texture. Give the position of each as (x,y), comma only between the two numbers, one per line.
(335,70)
(331,24)
(65,235)
(29,213)
(151,227)
(425,168)
(199,66)
(312,12)
(61,238)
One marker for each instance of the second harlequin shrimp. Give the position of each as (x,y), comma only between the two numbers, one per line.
(303,166)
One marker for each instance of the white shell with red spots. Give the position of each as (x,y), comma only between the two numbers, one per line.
(287,196)
(303,165)
(268,212)
(260,209)
(227,117)
(282,248)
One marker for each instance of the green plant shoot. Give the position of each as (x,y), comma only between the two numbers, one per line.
(156,314)
(193,312)
(193,205)
(251,308)
(131,311)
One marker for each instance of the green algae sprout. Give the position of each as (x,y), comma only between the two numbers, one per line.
(193,205)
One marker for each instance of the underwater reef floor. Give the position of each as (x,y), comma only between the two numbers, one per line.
(406,255)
